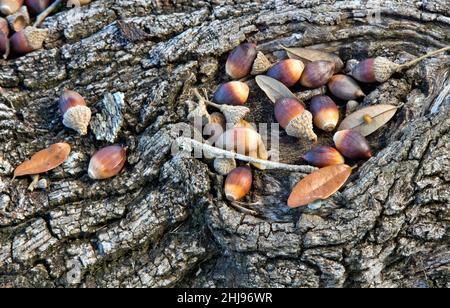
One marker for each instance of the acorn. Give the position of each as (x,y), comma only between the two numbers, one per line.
(4,26)
(107,162)
(240,61)
(28,40)
(260,65)
(322,156)
(325,113)
(242,140)
(344,87)
(352,144)
(76,115)
(8,7)
(317,73)
(216,127)
(292,116)
(37,6)
(238,183)
(19,20)
(233,114)
(232,93)
(287,71)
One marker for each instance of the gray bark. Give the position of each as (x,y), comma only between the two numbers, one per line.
(164,221)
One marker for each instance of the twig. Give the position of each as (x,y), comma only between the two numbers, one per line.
(41,17)
(216,152)
(415,61)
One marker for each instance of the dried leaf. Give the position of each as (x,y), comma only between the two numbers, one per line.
(273,88)
(369,119)
(319,185)
(310,55)
(44,160)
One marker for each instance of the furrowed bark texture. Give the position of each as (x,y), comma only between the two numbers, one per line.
(164,221)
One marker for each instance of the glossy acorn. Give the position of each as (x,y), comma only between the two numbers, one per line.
(345,87)
(287,71)
(232,93)
(325,112)
(242,140)
(8,7)
(372,70)
(292,116)
(76,114)
(28,40)
(322,156)
(352,144)
(107,162)
(37,6)
(238,183)
(317,73)
(240,61)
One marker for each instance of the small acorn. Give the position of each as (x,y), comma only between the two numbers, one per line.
(240,61)
(325,112)
(242,140)
(37,6)
(292,116)
(76,114)
(8,7)
(317,73)
(238,183)
(107,162)
(322,156)
(28,40)
(287,71)
(4,26)
(344,87)
(19,20)
(232,93)
(260,65)
(352,144)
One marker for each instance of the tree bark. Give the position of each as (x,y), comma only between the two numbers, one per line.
(164,222)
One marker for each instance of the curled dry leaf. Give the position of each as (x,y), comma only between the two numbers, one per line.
(369,119)
(310,55)
(319,185)
(273,88)
(44,160)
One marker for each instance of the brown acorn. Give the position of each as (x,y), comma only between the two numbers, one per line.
(344,87)
(287,71)
(8,7)
(322,156)
(317,73)
(238,183)
(76,114)
(107,162)
(28,40)
(292,116)
(242,140)
(4,26)
(37,6)
(232,93)
(352,144)
(377,69)
(325,112)
(240,61)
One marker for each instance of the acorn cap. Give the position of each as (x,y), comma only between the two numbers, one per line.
(383,69)
(261,64)
(28,40)
(78,118)
(223,166)
(234,114)
(302,127)
(19,20)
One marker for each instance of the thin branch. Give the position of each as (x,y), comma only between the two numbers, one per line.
(216,152)
(415,61)
(41,17)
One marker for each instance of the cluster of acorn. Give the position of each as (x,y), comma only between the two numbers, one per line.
(17,35)
(311,69)
(105,163)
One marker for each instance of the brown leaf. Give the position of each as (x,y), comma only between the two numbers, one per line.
(306,54)
(369,119)
(273,88)
(319,185)
(44,160)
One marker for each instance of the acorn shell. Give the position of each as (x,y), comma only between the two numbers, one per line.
(8,7)
(345,87)
(352,144)
(240,61)
(232,93)
(76,115)
(107,162)
(261,64)
(238,183)
(317,73)
(28,40)
(322,156)
(301,127)
(325,112)
(37,6)
(287,71)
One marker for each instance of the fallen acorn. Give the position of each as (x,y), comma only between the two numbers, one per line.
(310,55)
(352,144)
(287,71)
(43,161)
(240,61)
(317,73)
(325,112)
(238,183)
(322,156)
(107,162)
(344,87)
(232,93)
(37,6)
(28,40)
(76,114)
